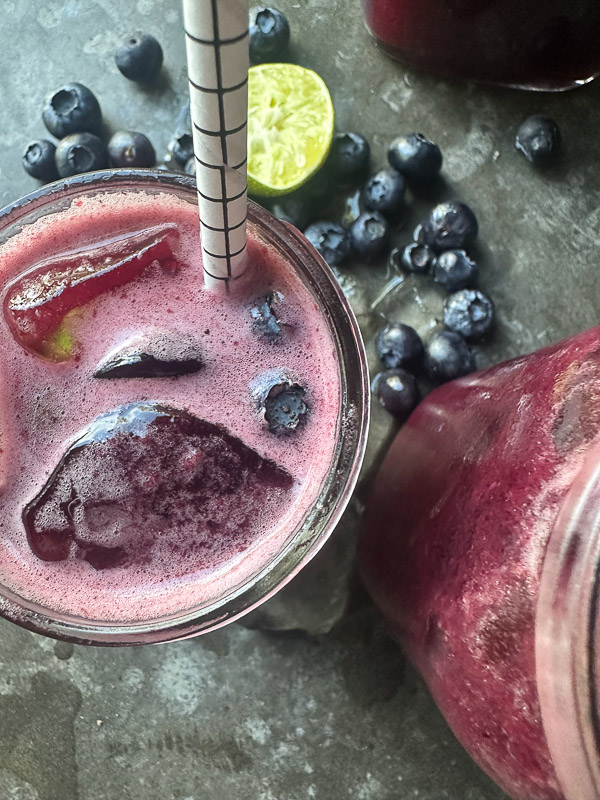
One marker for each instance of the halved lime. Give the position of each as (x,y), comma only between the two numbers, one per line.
(290,127)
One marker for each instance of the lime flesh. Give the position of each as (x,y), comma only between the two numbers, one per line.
(290,127)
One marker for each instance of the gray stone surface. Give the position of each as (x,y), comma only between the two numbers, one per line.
(242,713)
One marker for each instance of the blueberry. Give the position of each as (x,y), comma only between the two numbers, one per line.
(264,316)
(72,109)
(370,234)
(38,160)
(285,408)
(470,313)
(190,166)
(399,345)
(415,157)
(450,226)
(384,192)
(139,58)
(454,270)
(292,209)
(182,148)
(330,240)
(80,152)
(269,33)
(447,356)
(131,149)
(349,157)
(417,258)
(398,392)
(539,139)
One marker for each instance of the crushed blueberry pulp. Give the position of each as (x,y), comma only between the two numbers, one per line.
(145,472)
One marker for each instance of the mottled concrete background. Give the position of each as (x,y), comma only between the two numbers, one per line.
(283,716)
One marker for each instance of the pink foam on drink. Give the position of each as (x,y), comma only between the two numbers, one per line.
(45,405)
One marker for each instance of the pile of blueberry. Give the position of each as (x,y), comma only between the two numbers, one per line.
(440,248)
(72,114)
(440,245)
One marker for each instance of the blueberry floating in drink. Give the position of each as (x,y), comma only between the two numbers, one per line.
(264,316)
(146,477)
(285,407)
(281,400)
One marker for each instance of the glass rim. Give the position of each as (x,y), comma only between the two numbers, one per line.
(347,460)
(567,635)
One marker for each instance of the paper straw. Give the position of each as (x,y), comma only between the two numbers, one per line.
(218,62)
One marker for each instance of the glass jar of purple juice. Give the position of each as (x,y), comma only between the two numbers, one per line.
(540,44)
(170,456)
(481,546)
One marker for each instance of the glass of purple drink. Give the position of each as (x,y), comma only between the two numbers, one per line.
(540,44)
(481,546)
(142,504)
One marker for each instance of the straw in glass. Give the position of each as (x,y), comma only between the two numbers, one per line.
(218,62)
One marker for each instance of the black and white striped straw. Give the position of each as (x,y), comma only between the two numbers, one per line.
(218,61)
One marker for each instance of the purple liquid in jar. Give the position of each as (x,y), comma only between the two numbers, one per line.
(540,44)
(487,471)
